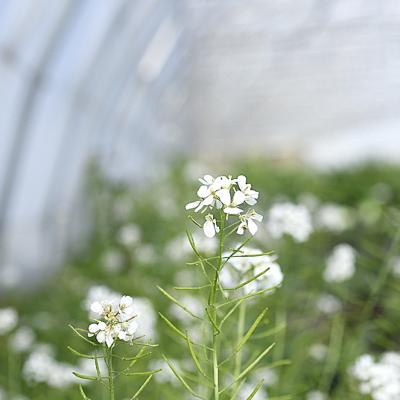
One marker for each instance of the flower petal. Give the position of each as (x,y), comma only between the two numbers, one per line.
(232,210)
(241,180)
(238,198)
(203,191)
(191,205)
(209,229)
(224,196)
(253,228)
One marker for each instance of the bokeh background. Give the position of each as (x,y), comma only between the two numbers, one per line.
(106,97)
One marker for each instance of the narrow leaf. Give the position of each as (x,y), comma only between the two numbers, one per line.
(177,302)
(181,379)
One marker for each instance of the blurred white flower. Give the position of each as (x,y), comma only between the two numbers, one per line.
(2,394)
(22,339)
(115,320)
(316,395)
(395,266)
(245,264)
(333,217)
(291,219)
(112,260)
(145,254)
(379,379)
(318,351)
(129,235)
(328,304)
(210,227)
(268,374)
(42,367)
(340,265)
(8,320)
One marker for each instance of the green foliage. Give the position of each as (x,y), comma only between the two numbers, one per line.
(368,321)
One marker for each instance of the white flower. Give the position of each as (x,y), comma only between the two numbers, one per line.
(8,320)
(340,265)
(248,222)
(328,304)
(291,219)
(395,266)
(250,196)
(129,235)
(318,351)
(210,227)
(316,395)
(22,339)
(209,192)
(231,205)
(42,367)
(379,379)
(333,217)
(112,260)
(117,321)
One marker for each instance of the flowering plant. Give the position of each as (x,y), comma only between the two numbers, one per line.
(115,321)
(230,278)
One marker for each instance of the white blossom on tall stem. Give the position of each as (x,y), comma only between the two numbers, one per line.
(115,321)
(229,195)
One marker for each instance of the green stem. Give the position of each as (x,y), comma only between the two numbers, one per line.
(110,374)
(211,301)
(240,332)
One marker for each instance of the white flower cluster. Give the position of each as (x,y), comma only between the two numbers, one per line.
(115,320)
(333,217)
(229,195)
(8,320)
(146,315)
(340,265)
(245,264)
(379,379)
(291,219)
(42,367)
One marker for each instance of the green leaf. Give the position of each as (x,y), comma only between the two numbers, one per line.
(83,337)
(86,377)
(256,389)
(251,366)
(194,357)
(251,330)
(249,280)
(90,356)
(177,302)
(144,373)
(190,288)
(181,379)
(83,394)
(140,390)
